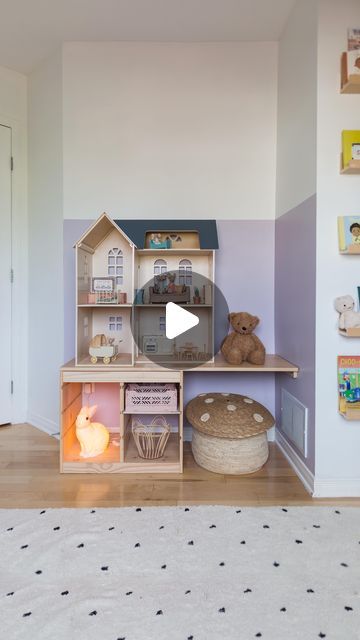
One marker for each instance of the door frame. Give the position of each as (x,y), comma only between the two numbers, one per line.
(19,305)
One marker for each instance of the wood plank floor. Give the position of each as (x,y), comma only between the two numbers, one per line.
(30,478)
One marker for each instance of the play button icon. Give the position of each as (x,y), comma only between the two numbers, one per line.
(178,320)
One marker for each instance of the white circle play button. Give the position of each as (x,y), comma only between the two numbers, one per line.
(178,320)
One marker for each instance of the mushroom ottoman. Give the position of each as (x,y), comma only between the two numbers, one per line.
(229,432)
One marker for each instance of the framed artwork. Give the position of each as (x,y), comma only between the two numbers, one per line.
(349,234)
(103,285)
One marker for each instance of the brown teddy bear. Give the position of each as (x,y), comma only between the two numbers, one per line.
(240,345)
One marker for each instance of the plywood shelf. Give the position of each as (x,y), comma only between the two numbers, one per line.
(185,305)
(104,305)
(153,412)
(350,333)
(122,360)
(112,454)
(352,168)
(174,252)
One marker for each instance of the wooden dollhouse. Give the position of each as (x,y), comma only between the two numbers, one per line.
(126,272)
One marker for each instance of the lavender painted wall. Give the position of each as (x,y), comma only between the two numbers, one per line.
(245,274)
(295,300)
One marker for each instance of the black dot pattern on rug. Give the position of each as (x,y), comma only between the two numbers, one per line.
(221,564)
(64,593)
(104,568)
(190,638)
(111,528)
(222,610)
(163,566)
(348,609)
(322,635)
(138,509)
(243,542)
(186,509)
(24,546)
(316,526)
(10,529)
(310,591)
(38,572)
(266,526)
(11,593)
(284,510)
(188,591)
(27,614)
(343,564)
(298,541)
(137,545)
(337,512)
(283,609)
(276,564)
(162,527)
(93,613)
(248,591)
(42,512)
(238,511)
(92,511)
(56,529)
(191,543)
(81,545)
(159,612)
(258,635)
(212,526)
(128,593)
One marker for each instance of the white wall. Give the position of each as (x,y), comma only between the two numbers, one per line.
(45,243)
(297,107)
(337,441)
(179,130)
(13,107)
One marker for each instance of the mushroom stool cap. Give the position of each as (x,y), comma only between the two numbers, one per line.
(228,415)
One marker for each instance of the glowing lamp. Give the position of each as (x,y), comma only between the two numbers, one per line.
(93,436)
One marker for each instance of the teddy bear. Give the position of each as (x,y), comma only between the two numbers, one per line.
(241,345)
(348,318)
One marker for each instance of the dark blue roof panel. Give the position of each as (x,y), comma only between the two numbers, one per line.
(136,230)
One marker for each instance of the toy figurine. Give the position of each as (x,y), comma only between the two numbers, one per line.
(348,318)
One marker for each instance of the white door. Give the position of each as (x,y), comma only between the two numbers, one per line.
(5,274)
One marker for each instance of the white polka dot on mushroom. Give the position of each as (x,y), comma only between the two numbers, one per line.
(258,417)
(225,394)
(231,407)
(201,395)
(248,401)
(205,417)
(209,400)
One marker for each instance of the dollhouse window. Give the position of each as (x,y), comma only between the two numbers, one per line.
(160,266)
(115,323)
(116,265)
(185,272)
(162,323)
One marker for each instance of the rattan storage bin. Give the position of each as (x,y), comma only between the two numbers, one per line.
(229,432)
(151,439)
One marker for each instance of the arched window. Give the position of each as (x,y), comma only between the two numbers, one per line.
(185,272)
(116,265)
(160,266)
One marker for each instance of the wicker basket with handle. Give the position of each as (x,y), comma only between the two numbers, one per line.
(151,439)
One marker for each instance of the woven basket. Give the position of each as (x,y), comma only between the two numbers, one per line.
(151,439)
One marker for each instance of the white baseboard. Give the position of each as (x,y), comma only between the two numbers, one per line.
(337,488)
(44,424)
(299,466)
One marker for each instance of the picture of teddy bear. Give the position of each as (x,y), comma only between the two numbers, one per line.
(241,345)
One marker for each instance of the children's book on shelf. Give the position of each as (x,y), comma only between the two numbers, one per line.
(350,146)
(349,234)
(353,39)
(349,386)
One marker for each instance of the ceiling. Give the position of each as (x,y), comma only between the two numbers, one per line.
(30,30)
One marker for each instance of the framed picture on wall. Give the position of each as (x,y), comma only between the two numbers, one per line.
(103,285)
(349,234)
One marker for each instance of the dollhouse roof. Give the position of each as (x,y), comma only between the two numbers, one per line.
(134,231)
(137,230)
(95,234)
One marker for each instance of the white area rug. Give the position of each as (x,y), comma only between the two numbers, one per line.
(198,573)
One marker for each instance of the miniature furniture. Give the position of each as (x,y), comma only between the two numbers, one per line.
(229,432)
(164,298)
